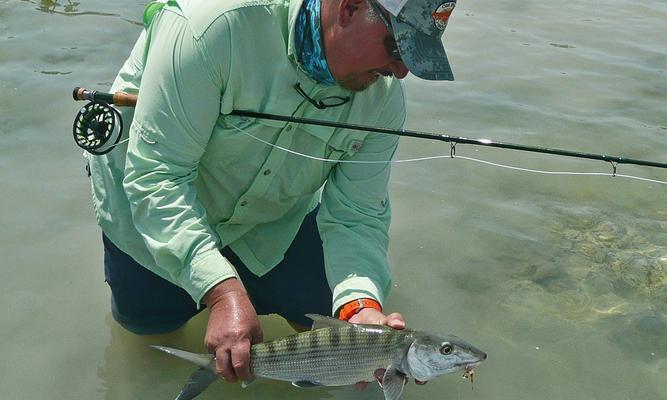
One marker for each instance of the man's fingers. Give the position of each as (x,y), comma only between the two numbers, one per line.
(395,320)
(223,365)
(241,360)
(258,336)
(379,375)
(361,385)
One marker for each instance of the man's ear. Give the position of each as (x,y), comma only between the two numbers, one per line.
(347,9)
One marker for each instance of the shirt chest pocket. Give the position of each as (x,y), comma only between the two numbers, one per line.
(321,149)
(239,143)
(334,144)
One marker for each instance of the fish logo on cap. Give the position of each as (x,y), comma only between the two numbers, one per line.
(442,13)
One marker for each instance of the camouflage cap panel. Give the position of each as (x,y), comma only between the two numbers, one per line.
(418,28)
(422,58)
(429,17)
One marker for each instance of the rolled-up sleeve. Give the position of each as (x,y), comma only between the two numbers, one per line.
(355,214)
(176,112)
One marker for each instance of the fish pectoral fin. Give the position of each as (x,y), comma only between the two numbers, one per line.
(393,383)
(306,384)
(198,382)
(245,384)
(320,321)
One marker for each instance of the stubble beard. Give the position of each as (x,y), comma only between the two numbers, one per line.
(359,81)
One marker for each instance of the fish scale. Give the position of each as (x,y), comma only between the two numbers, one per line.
(331,356)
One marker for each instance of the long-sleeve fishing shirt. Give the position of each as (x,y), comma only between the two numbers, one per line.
(192,180)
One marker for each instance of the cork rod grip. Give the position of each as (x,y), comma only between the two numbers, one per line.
(118,98)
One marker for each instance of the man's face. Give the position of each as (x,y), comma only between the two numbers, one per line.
(366,53)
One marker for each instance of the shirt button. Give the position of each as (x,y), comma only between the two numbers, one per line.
(289,128)
(267,172)
(243,203)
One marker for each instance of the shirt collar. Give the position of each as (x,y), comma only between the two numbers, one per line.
(294,7)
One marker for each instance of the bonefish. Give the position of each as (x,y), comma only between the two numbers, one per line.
(337,353)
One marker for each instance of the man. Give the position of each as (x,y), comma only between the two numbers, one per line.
(204,208)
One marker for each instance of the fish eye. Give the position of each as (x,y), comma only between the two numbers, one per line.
(446,349)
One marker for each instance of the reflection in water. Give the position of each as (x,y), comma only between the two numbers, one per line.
(55,72)
(47,5)
(50,6)
(563,46)
(133,370)
(69,9)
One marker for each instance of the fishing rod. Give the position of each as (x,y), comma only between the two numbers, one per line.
(95,126)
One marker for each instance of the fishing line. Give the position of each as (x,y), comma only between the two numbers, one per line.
(450,156)
(537,171)
(121,142)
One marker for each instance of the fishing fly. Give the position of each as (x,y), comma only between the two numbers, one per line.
(98,128)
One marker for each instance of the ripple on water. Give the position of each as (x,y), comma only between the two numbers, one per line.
(659,298)
(642,334)
(611,273)
(598,283)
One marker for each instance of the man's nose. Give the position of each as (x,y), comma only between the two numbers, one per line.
(398,69)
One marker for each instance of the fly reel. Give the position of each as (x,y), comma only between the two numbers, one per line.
(97,127)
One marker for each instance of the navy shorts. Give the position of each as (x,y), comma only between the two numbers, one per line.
(144,303)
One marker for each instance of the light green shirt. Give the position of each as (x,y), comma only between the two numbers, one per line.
(191,181)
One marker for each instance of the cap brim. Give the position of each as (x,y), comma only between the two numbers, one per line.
(424,55)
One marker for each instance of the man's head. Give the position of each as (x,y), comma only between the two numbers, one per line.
(364,39)
(418,26)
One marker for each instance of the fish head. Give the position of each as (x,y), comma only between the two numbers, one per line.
(432,355)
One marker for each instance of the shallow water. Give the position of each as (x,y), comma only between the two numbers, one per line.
(561,279)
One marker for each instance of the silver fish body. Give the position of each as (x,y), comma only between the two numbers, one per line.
(337,353)
(329,356)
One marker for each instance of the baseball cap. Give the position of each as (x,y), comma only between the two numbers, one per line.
(418,27)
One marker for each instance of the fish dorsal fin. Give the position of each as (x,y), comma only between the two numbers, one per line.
(306,384)
(320,321)
(393,383)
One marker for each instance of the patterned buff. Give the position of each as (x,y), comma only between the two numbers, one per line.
(309,43)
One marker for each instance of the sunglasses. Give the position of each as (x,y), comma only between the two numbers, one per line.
(326,102)
(390,41)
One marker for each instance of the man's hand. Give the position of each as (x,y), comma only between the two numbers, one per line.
(373,316)
(232,328)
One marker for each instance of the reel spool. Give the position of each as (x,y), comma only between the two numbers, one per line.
(97,127)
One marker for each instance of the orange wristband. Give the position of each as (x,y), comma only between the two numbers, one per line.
(348,310)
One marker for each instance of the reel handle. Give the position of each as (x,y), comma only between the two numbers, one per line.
(118,98)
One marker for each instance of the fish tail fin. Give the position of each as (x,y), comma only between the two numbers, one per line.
(197,383)
(201,378)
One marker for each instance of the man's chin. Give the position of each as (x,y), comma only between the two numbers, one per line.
(359,83)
